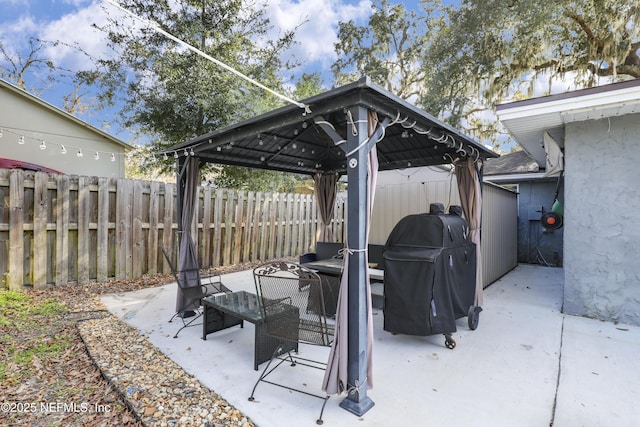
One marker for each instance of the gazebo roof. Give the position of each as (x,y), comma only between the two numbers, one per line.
(293,139)
(329,132)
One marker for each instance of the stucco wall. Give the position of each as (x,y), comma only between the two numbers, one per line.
(602,227)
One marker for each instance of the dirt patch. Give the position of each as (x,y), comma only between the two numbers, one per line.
(49,377)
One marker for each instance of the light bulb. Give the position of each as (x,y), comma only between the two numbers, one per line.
(63,149)
(97,156)
(21,140)
(113,157)
(79,153)
(43,145)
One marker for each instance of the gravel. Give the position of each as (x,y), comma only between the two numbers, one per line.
(157,390)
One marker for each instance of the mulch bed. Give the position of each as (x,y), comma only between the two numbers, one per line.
(109,375)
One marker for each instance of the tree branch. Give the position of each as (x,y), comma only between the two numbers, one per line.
(581,22)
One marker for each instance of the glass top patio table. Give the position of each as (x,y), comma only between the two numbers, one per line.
(226,310)
(243,305)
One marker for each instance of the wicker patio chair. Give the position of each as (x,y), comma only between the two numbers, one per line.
(288,317)
(209,284)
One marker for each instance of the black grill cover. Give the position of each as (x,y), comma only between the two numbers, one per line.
(429,230)
(430,273)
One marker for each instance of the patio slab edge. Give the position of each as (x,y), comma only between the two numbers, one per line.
(157,390)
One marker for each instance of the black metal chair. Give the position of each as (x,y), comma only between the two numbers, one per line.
(209,284)
(292,306)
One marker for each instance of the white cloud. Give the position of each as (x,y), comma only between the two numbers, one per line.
(318,24)
(10,32)
(75,29)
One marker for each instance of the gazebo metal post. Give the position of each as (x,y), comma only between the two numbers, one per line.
(357,400)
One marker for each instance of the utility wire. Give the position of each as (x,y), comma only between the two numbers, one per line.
(157,28)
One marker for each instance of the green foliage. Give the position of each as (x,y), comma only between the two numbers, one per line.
(387,49)
(490,51)
(308,85)
(21,317)
(17,309)
(458,62)
(257,180)
(172,94)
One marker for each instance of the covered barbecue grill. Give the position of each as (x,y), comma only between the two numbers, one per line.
(430,275)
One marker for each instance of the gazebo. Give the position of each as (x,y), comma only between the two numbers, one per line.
(356,129)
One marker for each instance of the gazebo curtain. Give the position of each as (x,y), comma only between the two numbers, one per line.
(335,378)
(325,189)
(188,179)
(468,177)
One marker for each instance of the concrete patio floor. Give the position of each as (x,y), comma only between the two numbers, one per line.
(527,364)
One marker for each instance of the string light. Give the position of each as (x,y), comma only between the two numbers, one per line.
(44,144)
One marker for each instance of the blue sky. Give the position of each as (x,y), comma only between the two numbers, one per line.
(69,21)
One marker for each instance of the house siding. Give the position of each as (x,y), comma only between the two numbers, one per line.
(602,232)
(20,115)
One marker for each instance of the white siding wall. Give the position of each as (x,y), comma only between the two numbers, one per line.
(21,116)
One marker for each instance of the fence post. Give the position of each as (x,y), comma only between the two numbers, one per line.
(62,230)
(152,239)
(40,217)
(103,230)
(123,229)
(16,230)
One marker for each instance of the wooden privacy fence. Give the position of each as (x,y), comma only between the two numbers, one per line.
(57,229)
